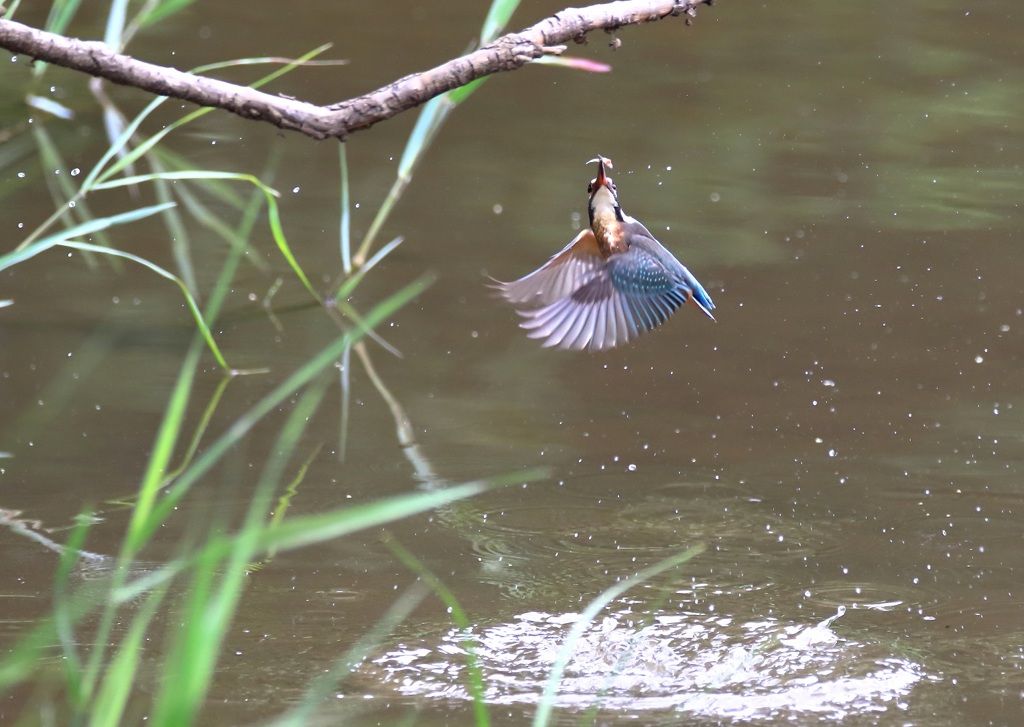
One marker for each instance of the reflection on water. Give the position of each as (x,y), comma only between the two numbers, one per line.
(707,665)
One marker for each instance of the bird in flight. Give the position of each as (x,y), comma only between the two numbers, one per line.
(610,284)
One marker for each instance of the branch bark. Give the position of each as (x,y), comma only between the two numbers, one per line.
(507,53)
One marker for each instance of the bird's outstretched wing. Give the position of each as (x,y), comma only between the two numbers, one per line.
(625,296)
(693,291)
(559,276)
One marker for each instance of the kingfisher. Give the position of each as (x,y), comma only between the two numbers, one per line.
(610,284)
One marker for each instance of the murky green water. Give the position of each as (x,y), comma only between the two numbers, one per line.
(845,180)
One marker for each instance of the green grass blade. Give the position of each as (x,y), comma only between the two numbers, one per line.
(178,234)
(404,432)
(170,428)
(321,688)
(429,121)
(270,195)
(586,618)
(213,220)
(57,175)
(310,529)
(49,106)
(287,67)
(287,441)
(345,376)
(284,502)
(67,203)
(307,530)
(497,18)
(197,434)
(460,94)
(345,233)
(159,461)
(461,621)
(189,300)
(22,660)
(162,10)
(23,252)
(64,612)
(193,642)
(61,14)
(117,148)
(119,676)
(117,18)
(239,239)
(327,357)
(277,231)
(273,211)
(190,174)
(353,281)
(217,588)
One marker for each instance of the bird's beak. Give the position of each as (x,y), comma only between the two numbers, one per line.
(602,179)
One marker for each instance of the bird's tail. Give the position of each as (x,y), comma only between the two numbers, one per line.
(699,297)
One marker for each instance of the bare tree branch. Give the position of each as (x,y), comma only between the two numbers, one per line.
(507,53)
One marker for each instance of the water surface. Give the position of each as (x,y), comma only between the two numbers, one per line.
(844,179)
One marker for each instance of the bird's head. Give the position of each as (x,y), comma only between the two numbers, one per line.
(604,201)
